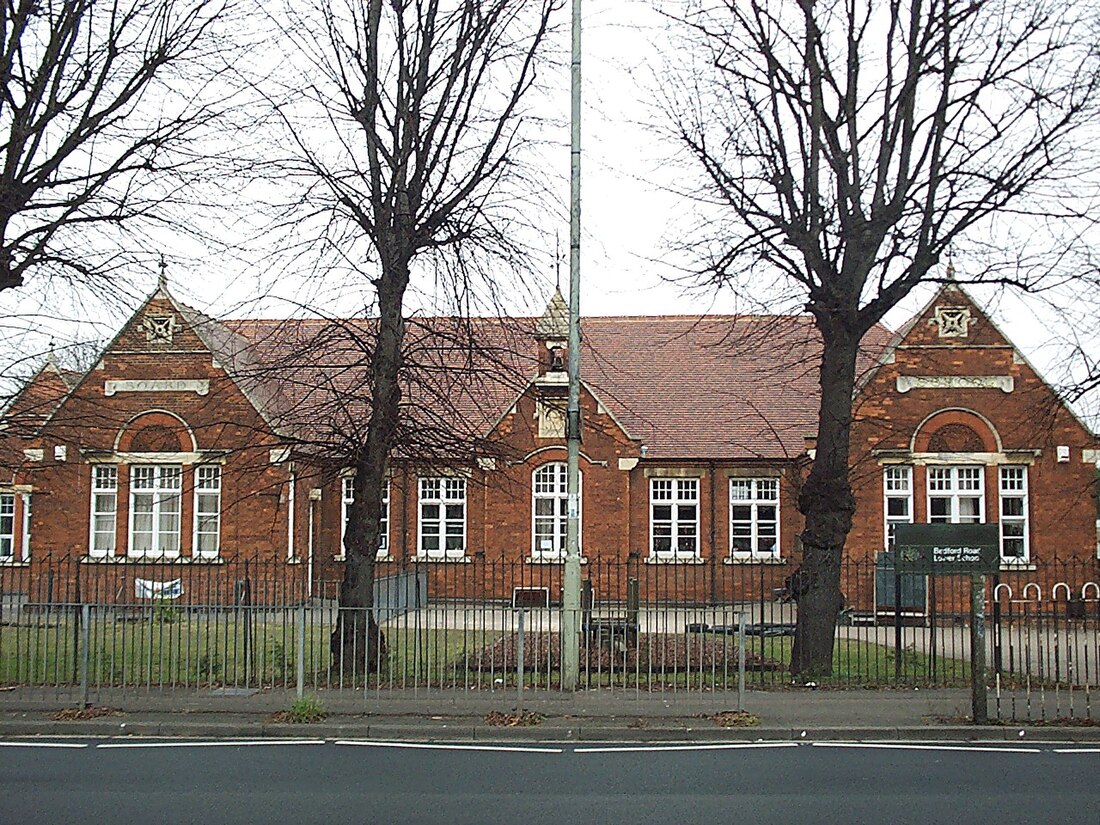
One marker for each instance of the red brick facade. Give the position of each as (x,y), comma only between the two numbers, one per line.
(662,487)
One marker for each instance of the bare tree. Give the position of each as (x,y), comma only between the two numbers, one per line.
(422,112)
(848,144)
(101,106)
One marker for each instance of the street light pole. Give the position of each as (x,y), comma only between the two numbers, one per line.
(571,595)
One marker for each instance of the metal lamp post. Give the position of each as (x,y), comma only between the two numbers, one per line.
(571,596)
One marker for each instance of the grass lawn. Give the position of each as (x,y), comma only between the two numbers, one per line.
(172,648)
(858,662)
(215,650)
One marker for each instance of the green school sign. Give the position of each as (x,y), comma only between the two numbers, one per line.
(947,549)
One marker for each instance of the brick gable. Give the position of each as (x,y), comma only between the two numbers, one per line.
(973,399)
(159,394)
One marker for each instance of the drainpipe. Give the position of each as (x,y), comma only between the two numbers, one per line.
(314,497)
(404,515)
(290,518)
(713,550)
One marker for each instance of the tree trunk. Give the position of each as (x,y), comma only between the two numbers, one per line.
(827,504)
(357,641)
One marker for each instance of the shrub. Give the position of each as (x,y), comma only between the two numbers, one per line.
(304,711)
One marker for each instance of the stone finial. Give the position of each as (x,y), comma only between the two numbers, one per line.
(554,323)
(162,275)
(51,358)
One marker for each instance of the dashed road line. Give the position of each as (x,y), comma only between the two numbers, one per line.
(230,743)
(43,744)
(366,743)
(715,747)
(899,746)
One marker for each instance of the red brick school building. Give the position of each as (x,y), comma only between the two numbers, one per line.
(196,443)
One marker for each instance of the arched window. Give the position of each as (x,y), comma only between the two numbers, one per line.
(550,511)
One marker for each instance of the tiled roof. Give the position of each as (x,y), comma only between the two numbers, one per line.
(39,397)
(721,387)
(715,387)
(237,355)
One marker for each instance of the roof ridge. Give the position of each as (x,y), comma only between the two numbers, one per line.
(659,317)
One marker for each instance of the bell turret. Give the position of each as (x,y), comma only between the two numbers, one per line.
(552,335)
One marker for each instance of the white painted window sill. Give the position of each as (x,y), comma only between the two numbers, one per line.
(754,560)
(15,562)
(675,560)
(542,560)
(1018,566)
(343,557)
(443,559)
(180,560)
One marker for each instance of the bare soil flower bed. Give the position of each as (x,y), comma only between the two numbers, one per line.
(654,652)
(734,719)
(80,714)
(527,719)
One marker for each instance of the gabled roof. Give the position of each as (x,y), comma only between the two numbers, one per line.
(39,397)
(322,370)
(236,356)
(228,349)
(913,333)
(722,387)
(717,387)
(686,387)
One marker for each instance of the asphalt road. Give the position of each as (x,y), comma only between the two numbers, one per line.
(117,782)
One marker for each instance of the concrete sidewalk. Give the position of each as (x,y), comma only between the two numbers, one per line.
(598,715)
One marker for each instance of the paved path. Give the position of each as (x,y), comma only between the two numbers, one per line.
(584,716)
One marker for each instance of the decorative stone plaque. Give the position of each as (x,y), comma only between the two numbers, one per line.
(199,386)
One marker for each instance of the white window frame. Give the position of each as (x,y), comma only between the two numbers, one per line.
(161,495)
(679,495)
(559,495)
(208,485)
(1012,492)
(347,497)
(104,483)
(8,533)
(446,493)
(897,486)
(758,498)
(955,491)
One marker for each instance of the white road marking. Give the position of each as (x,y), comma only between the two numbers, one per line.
(257,743)
(894,746)
(1077,750)
(43,745)
(716,747)
(364,743)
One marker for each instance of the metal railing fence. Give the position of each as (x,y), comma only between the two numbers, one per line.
(88,648)
(251,624)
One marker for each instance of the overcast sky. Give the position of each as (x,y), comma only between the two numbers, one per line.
(630,217)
